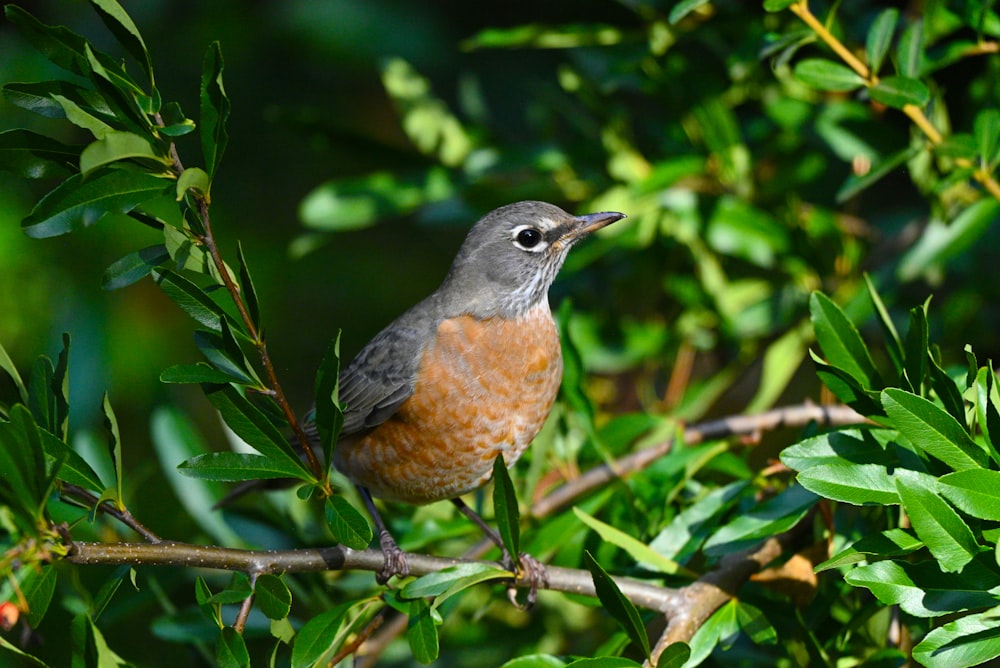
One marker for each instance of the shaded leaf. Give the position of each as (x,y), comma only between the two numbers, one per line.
(508,516)
(449,581)
(898,92)
(125,31)
(840,341)
(827,75)
(910,50)
(133,267)
(940,528)
(932,430)
(30,155)
(683,8)
(348,526)
(192,299)
(772,517)
(237,467)
(319,636)
(879,38)
(215,107)
(889,543)
(941,242)
(272,596)
(617,604)
(421,632)
(77,202)
(231,650)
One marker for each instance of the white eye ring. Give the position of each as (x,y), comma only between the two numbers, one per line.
(529,238)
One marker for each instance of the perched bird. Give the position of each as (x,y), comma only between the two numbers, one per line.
(467,374)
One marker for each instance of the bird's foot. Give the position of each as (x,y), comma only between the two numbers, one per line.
(526,569)
(395,559)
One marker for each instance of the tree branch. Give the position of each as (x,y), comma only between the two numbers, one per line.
(739,425)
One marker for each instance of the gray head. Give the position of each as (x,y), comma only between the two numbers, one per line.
(511,256)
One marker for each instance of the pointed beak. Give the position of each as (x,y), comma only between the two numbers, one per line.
(587,223)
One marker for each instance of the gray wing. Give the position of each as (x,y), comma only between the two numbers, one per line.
(382,376)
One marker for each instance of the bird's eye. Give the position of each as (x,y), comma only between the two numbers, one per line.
(528,238)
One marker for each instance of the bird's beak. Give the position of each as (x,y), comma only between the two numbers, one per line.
(587,223)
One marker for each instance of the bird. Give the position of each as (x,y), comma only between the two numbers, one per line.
(467,374)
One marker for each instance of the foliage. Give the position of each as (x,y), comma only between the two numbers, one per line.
(765,159)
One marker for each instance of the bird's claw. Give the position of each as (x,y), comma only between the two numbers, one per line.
(525,569)
(395,559)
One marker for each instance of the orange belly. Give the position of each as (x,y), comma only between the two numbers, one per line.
(484,387)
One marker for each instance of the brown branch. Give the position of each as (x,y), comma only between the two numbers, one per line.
(740,425)
(240,623)
(123,515)
(170,553)
(696,602)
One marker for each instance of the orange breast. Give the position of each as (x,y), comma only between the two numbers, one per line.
(484,387)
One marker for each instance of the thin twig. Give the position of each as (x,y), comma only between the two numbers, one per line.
(240,622)
(788,416)
(123,515)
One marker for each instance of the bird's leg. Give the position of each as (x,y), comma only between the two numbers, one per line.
(533,570)
(395,559)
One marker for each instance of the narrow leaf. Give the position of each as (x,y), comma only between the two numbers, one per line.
(617,604)
(636,549)
(196,373)
(889,543)
(973,640)
(910,50)
(251,425)
(126,32)
(248,290)
(328,415)
(192,299)
(421,632)
(237,467)
(133,267)
(987,133)
(505,506)
(880,38)
(348,526)
(840,341)
(7,364)
(827,75)
(30,155)
(215,108)
(932,430)
(78,203)
(449,581)
(975,492)
(945,534)
(770,518)
(114,447)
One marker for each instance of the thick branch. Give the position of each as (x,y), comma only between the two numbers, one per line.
(168,553)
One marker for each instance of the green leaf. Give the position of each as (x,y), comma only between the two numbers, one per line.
(327,414)
(7,364)
(880,38)
(114,447)
(827,75)
(133,267)
(941,242)
(190,298)
(617,604)
(126,32)
(508,516)
(224,353)
(318,638)
(987,133)
(945,388)
(421,631)
(30,155)
(844,446)
(215,107)
(945,534)
(37,588)
(841,343)
(922,589)
(689,529)
(972,640)
(858,484)
(777,5)
(635,548)
(910,50)
(248,291)
(770,518)
(272,596)
(755,624)
(348,526)
(889,543)
(443,584)
(915,347)
(677,654)
(238,466)
(73,468)
(987,413)
(196,373)
(115,146)
(975,492)
(231,650)
(78,203)
(897,92)
(932,430)
(251,425)
(194,179)
(683,8)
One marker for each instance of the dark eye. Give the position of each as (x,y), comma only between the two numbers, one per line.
(528,238)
